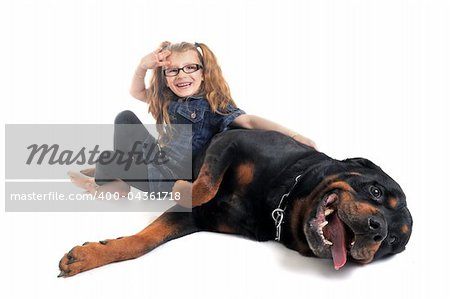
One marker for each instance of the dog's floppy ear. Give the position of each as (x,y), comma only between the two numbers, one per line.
(362,162)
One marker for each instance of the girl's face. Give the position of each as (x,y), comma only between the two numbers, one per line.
(182,84)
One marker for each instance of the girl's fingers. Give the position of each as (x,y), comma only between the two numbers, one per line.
(163,63)
(156,58)
(163,55)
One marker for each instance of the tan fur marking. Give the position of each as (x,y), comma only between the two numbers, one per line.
(244,173)
(96,254)
(392,202)
(367,254)
(366,209)
(224,228)
(341,185)
(404,229)
(203,189)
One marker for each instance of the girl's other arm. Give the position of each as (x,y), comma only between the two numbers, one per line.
(255,122)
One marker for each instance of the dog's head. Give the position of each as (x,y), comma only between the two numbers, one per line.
(357,212)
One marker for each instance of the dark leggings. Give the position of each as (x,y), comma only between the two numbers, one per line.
(125,137)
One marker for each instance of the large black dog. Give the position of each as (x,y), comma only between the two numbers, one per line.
(266,186)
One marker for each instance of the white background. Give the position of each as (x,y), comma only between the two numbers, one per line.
(361,78)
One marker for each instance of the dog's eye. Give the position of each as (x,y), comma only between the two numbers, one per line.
(375,192)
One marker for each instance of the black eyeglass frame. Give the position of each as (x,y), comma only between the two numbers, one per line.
(198,66)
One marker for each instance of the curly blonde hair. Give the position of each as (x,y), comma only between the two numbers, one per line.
(214,86)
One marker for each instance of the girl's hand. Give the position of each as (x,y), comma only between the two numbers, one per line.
(304,140)
(155,59)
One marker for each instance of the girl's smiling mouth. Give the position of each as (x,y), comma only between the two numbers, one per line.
(183,85)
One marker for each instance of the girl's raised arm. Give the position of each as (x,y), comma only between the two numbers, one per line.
(153,60)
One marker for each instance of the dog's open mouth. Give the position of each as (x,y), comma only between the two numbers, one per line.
(334,233)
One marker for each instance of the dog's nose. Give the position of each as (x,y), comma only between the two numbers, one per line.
(377,228)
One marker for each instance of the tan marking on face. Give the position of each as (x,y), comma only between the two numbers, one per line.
(404,229)
(393,202)
(341,185)
(367,254)
(366,209)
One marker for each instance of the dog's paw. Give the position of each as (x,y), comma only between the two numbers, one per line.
(83,258)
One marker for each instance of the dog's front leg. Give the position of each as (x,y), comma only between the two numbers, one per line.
(168,226)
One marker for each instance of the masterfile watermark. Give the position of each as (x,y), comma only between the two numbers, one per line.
(52,154)
(39,157)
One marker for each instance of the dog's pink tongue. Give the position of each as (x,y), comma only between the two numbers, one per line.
(335,232)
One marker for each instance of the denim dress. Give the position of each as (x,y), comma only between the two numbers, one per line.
(194,125)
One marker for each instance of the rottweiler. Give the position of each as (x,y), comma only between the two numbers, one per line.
(266,186)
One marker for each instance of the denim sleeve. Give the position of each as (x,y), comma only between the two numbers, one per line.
(224,121)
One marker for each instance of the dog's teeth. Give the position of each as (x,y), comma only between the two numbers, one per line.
(322,225)
(353,243)
(328,242)
(328,211)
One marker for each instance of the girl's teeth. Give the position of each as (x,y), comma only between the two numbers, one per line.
(183,84)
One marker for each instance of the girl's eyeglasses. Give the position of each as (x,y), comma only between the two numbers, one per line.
(188,69)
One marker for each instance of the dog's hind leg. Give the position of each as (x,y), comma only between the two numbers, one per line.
(202,190)
(168,226)
(217,160)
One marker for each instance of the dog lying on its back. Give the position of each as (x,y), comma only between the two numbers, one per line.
(266,186)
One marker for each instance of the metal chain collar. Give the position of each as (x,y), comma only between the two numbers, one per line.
(278,213)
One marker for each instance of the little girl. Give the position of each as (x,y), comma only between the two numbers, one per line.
(187,87)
